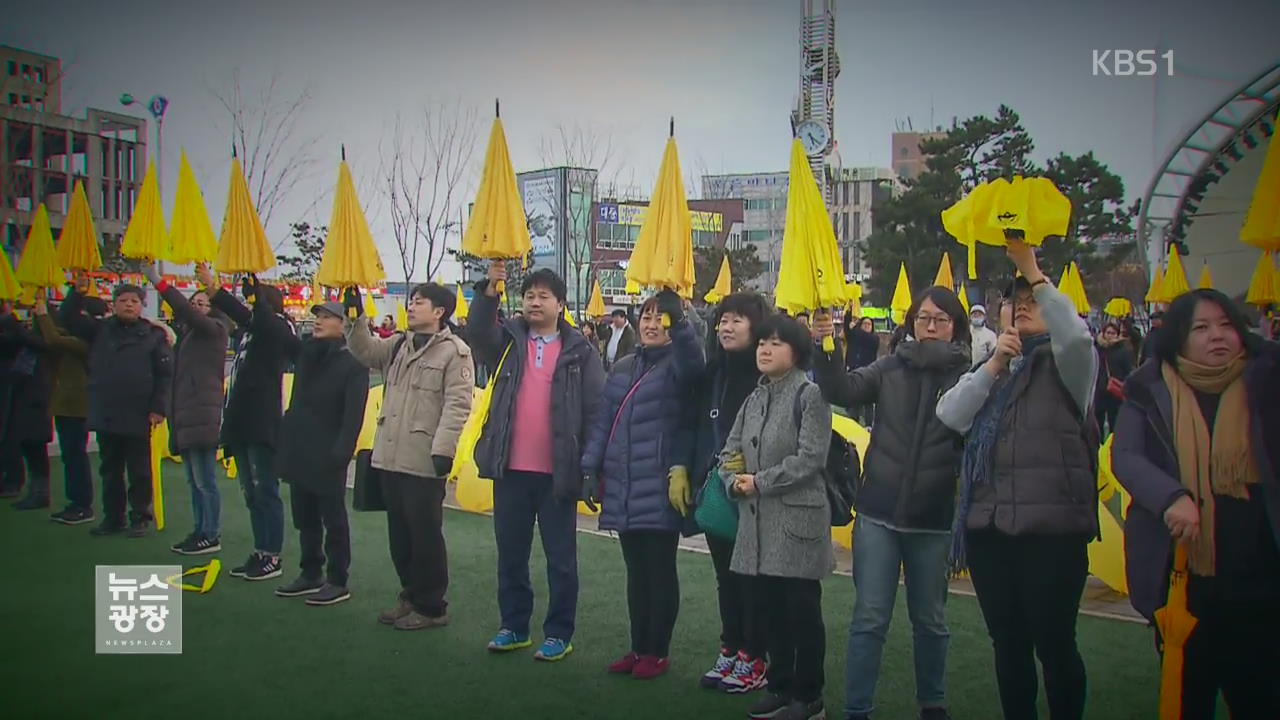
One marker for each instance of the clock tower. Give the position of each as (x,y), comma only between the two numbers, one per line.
(813,120)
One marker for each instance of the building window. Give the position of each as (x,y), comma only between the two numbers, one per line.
(13,68)
(845,222)
(904,151)
(857,226)
(857,193)
(13,99)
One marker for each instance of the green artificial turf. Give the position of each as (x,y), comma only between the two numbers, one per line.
(250,654)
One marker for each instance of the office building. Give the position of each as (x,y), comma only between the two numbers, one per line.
(908,159)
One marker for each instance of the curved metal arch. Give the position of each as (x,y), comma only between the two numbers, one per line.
(1166,195)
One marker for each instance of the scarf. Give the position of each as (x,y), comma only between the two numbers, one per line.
(979,447)
(1221,464)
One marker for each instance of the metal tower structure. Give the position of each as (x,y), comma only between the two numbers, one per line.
(813,120)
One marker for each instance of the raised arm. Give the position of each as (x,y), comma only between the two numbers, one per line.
(58,340)
(372,352)
(484,332)
(1072,344)
(847,389)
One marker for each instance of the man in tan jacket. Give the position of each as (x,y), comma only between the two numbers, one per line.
(428,380)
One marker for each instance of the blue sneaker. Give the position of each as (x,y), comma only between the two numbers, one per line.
(553,650)
(506,641)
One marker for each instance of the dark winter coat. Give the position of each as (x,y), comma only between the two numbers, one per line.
(575,393)
(1144,459)
(318,433)
(861,348)
(626,345)
(718,395)
(26,384)
(198,370)
(252,412)
(636,436)
(913,461)
(69,356)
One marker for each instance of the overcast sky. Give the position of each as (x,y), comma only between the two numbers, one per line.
(727,69)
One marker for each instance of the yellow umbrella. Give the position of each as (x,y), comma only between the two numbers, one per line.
(402,317)
(901,302)
(242,245)
(811,273)
(38,267)
(1262,287)
(633,287)
(350,257)
(190,235)
(568,317)
(1174,282)
(724,283)
(1074,288)
(9,287)
(145,238)
(1262,223)
(1206,277)
(595,306)
(317,293)
(1118,307)
(1157,279)
(1033,207)
(943,278)
(78,244)
(499,227)
(663,255)
(1175,623)
(370,307)
(461,311)
(964,296)
(855,299)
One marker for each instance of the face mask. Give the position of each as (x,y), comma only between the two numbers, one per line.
(978,321)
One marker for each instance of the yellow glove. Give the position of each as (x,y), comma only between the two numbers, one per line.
(678,492)
(735,463)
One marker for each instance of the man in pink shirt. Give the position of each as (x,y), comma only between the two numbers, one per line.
(545,393)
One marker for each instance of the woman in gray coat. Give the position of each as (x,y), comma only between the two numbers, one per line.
(774,471)
(195,417)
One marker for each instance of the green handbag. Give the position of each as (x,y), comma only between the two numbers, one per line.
(717,515)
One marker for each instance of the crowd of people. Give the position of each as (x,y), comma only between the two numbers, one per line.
(983,453)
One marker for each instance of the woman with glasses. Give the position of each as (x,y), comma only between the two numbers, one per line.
(905,500)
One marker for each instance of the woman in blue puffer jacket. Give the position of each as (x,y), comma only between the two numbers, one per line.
(630,462)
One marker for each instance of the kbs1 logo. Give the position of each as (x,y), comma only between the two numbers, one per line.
(1130,63)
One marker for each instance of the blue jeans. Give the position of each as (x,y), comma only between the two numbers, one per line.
(202,476)
(878,554)
(73,443)
(256,467)
(520,499)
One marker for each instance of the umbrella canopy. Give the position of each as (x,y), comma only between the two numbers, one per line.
(78,244)
(402,317)
(944,278)
(1175,623)
(811,275)
(855,299)
(242,246)
(1206,277)
(1174,282)
(1033,207)
(1157,279)
(1262,223)
(724,283)
(370,307)
(901,302)
(190,234)
(964,296)
(499,227)
(145,238)
(1118,307)
(663,255)
(633,287)
(1073,287)
(1262,286)
(38,267)
(350,257)
(461,310)
(595,306)
(568,317)
(9,287)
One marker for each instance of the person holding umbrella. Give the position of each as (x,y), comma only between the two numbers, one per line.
(1195,446)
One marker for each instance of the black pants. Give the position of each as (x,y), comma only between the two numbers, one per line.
(742,626)
(73,443)
(1234,650)
(415,532)
(117,454)
(1029,590)
(321,520)
(797,637)
(653,589)
(36,472)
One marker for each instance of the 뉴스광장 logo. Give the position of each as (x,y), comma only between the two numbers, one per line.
(136,611)
(1129,63)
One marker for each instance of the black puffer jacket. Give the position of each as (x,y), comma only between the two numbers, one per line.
(318,434)
(252,413)
(910,471)
(26,384)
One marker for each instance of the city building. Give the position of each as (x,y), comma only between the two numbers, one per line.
(764,197)
(44,153)
(908,159)
(856,193)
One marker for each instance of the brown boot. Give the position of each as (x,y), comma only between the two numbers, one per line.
(417,621)
(389,617)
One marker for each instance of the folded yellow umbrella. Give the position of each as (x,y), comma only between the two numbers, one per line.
(724,283)
(350,257)
(595,306)
(191,237)
(568,317)
(242,245)
(1174,282)
(146,238)
(402,317)
(9,287)
(1118,307)
(370,307)
(901,301)
(1262,286)
(663,255)
(964,296)
(855,299)
(811,273)
(1262,223)
(1033,207)
(38,266)
(78,243)
(1153,290)
(461,311)
(498,228)
(632,288)
(1206,277)
(943,278)
(1073,287)
(1176,624)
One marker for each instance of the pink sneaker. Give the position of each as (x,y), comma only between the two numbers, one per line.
(625,664)
(650,667)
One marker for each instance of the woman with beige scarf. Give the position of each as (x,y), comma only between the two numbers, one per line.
(1191,446)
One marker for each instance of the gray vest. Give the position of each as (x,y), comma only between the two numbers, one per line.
(1045,467)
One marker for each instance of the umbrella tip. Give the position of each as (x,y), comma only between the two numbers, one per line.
(672,129)
(233,149)
(343,148)
(497,108)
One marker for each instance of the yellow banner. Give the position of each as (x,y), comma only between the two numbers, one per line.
(702,220)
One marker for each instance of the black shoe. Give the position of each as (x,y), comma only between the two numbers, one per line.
(183,544)
(250,563)
(137,529)
(267,567)
(108,527)
(800,710)
(10,493)
(934,713)
(32,502)
(73,516)
(330,595)
(197,545)
(61,515)
(302,586)
(768,706)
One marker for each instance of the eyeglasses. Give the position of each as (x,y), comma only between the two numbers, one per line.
(927,320)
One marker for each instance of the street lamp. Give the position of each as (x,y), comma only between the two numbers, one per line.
(156,105)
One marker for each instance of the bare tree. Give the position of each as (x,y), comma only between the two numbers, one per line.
(264,135)
(424,163)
